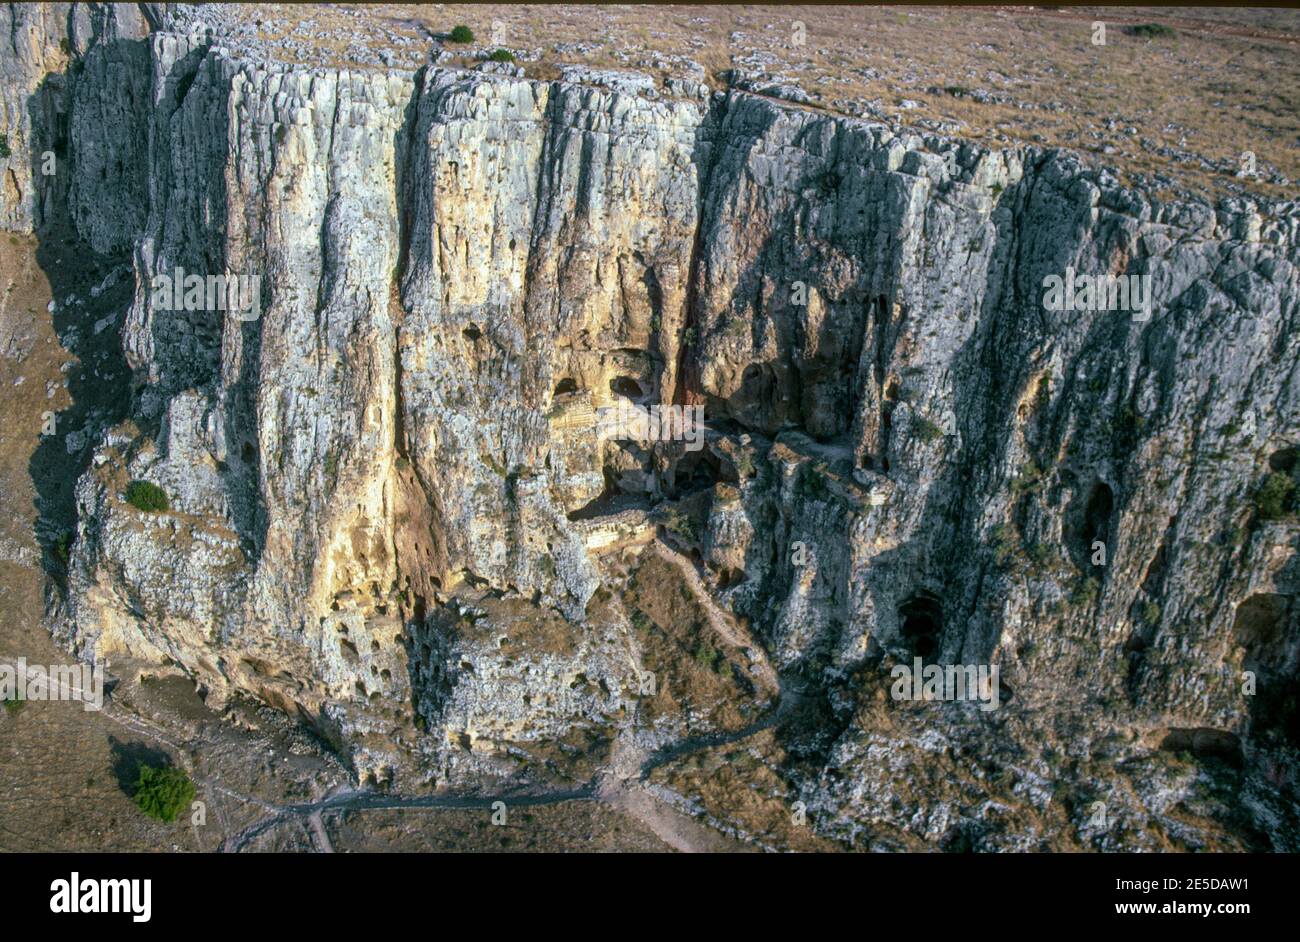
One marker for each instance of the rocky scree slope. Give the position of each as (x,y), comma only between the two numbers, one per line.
(392,514)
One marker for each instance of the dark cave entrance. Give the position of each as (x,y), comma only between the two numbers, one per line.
(564,386)
(1266,626)
(1096,517)
(728,577)
(626,387)
(921,618)
(1091,526)
(698,471)
(1205,742)
(1284,460)
(703,476)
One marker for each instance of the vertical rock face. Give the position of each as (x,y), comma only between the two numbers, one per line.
(41,43)
(385,475)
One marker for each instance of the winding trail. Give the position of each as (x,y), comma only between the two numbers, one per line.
(360,800)
(622,785)
(722,623)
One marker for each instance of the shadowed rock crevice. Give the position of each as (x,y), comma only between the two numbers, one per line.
(921,625)
(91,291)
(1267,629)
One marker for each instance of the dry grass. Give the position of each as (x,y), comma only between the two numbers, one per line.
(1228,81)
(698,673)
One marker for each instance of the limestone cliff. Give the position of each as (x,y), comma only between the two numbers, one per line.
(391,512)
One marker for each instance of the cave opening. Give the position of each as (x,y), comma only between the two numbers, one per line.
(625,386)
(1266,627)
(921,618)
(567,385)
(1258,627)
(729,577)
(1204,742)
(1284,460)
(1096,516)
(698,471)
(703,476)
(1088,523)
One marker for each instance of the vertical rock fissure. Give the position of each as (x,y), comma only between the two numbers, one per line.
(687,385)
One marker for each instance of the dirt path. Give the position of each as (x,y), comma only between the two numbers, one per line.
(719,621)
(360,800)
(318,833)
(679,831)
(621,786)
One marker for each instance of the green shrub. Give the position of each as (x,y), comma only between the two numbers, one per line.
(1006,544)
(462,34)
(641,621)
(1039,553)
(497,467)
(164,792)
(1085,591)
(14,705)
(4,146)
(142,495)
(1029,479)
(680,524)
(1275,497)
(502,55)
(1233,537)
(1043,394)
(1151,30)
(707,656)
(61,548)
(811,484)
(927,431)
(1150,613)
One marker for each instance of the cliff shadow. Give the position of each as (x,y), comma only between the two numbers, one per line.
(928,591)
(130,757)
(91,293)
